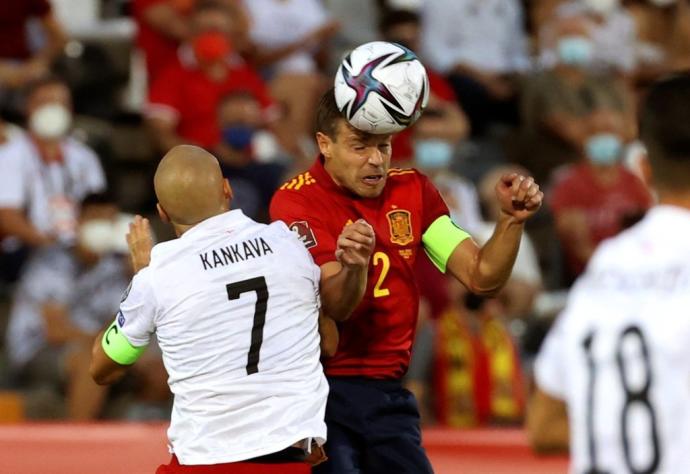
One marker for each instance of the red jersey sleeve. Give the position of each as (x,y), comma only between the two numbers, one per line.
(434,205)
(297,211)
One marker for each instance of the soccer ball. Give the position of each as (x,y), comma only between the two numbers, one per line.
(381,87)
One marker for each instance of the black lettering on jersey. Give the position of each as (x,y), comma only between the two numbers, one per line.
(264,247)
(204,260)
(247,251)
(235,253)
(227,255)
(216,259)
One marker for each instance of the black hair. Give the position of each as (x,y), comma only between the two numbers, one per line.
(665,130)
(104,198)
(328,115)
(393,18)
(47,80)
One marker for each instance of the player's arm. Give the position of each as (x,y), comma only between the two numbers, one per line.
(330,337)
(344,281)
(547,423)
(484,270)
(111,355)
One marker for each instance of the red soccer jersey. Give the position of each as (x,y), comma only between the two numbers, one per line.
(377,339)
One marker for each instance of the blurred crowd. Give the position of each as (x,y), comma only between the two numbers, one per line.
(93,92)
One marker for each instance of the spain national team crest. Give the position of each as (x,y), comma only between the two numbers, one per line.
(400,223)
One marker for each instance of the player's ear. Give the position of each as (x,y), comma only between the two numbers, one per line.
(227,190)
(162,214)
(325,143)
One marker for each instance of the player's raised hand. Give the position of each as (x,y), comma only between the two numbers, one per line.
(519,196)
(356,244)
(140,243)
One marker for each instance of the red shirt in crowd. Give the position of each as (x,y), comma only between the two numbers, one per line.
(376,341)
(14,15)
(193,97)
(160,50)
(402,142)
(604,208)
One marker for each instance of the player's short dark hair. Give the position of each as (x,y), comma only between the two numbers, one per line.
(665,130)
(393,18)
(328,116)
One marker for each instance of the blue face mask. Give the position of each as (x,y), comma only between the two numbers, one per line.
(433,154)
(603,148)
(238,137)
(575,50)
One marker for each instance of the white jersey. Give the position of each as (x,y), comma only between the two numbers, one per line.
(619,355)
(234,305)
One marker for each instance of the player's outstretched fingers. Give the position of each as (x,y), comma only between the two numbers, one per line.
(522,190)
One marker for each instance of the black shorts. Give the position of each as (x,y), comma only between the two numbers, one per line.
(373,427)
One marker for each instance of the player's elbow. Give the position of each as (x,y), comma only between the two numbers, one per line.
(97,374)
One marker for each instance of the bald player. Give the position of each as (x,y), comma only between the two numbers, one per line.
(234,305)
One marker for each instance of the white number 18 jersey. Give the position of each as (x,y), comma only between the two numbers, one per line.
(234,305)
(619,355)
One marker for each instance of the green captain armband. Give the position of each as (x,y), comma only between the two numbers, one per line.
(440,239)
(117,347)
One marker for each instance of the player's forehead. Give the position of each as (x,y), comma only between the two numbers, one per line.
(350,135)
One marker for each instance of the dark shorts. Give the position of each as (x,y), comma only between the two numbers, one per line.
(373,427)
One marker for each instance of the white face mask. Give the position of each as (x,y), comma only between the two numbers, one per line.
(50,121)
(104,235)
(602,7)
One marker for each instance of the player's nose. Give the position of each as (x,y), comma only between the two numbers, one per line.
(376,158)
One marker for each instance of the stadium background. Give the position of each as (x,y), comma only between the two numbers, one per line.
(507,94)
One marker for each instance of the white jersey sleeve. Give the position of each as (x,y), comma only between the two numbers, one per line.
(550,370)
(13,185)
(138,310)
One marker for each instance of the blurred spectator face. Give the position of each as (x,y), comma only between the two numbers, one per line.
(212,29)
(48,111)
(433,154)
(240,117)
(604,145)
(96,231)
(405,33)
(573,43)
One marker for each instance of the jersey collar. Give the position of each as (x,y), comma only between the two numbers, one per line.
(225,221)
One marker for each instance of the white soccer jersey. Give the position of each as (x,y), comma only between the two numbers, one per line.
(234,305)
(619,355)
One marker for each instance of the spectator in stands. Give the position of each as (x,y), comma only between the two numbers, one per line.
(443,118)
(290,39)
(161,26)
(19,64)
(596,198)
(45,175)
(556,100)
(663,29)
(249,154)
(65,296)
(613,35)
(481,47)
(183,102)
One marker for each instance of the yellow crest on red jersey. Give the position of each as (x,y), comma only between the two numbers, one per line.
(400,224)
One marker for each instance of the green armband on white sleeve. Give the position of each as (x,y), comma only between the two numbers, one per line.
(117,347)
(440,239)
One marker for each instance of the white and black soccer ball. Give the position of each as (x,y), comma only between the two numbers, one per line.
(381,87)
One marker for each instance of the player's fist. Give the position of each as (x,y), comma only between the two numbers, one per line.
(519,196)
(140,243)
(356,244)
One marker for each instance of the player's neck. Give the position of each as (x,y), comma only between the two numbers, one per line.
(674,198)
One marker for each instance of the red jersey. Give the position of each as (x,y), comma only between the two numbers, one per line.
(188,92)
(576,188)
(377,339)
